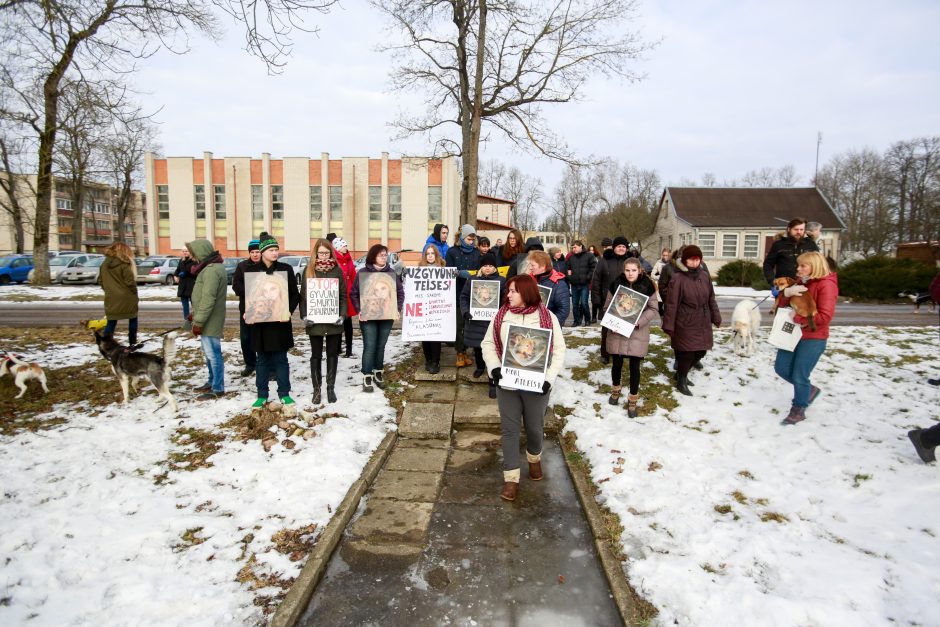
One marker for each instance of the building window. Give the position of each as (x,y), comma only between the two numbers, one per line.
(394,212)
(336,208)
(219,201)
(199,195)
(257,203)
(751,245)
(434,206)
(277,202)
(65,240)
(102,207)
(706,241)
(163,202)
(63,204)
(729,245)
(316,211)
(375,211)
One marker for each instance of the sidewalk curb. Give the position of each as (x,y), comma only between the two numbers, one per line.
(613,570)
(294,604)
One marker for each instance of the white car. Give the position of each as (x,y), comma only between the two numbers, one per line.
(60,263)
(298,263)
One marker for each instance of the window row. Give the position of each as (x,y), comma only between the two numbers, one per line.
(729,245)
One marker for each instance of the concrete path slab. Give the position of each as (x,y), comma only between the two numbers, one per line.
(404,442)
(470,438)
(466,374)
(426,420)
(447,373)
(432,392)
(405,485)
(392,522)
(484,412)
(417,459)
(467,391)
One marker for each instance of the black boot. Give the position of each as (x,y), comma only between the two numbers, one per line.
(316,376)
(682,384)
(331,364)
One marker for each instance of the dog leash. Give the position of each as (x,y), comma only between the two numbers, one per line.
(139,345)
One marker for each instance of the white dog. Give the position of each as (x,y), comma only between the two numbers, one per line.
(745,324)
(22,372)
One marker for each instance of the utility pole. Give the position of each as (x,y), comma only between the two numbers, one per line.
(818,142)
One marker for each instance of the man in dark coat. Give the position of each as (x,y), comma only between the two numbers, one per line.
(272,340)
(609,267)
(238,286)
(186,280)
(465,257)
(581,265)
(781,259)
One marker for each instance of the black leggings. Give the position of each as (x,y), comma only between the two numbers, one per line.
(347,331)
(432,352)
(686,359)
(478,356)
(316,345)
(616,371)
(595,309)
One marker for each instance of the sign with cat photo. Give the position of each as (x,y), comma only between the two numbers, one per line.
(484,299)
(525,358)
(623,312)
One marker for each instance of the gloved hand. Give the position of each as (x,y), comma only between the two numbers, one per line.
(794,290)
(774,291)
(546,388)
(496,375)
(467,315)
(339,321)
(190,317)
(197,330)
(463,274)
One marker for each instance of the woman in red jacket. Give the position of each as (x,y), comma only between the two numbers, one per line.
(795,367)
(349,275)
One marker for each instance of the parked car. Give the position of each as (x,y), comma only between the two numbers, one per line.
(230,263)
(394,259)
(15,268)
(162,271)
(143,269)
(62,262)
(84,273)
(298,263)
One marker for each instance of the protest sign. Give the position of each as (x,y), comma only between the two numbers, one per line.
(546,294)
(378,296)
(266,297)
(484,299)
(430,304)
(525,358)
(323,300)
(624,310)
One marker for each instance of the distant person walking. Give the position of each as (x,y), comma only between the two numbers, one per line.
(185,282)
(119,282)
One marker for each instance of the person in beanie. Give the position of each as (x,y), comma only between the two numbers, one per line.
(474,330)
(208,315)
(238,286)
(635,346)
(609,267)
(690,313)
(522,306)
(432,350)
(323,265)
(465,257)
(272,340)
(375,331)
(349,275)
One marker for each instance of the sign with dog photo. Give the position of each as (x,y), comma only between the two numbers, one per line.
(484,299)
(323,300)
(624,310)
(785,333)
(525,358)
(266,297)
(546,294)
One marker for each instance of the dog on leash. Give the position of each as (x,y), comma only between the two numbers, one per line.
(919,298)
(803,304)
(22,372)
(745,324)
(130,367)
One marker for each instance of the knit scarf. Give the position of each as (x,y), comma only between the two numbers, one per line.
(545,322)
(215,257)
(324,266)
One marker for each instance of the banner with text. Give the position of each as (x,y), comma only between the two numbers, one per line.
(525,358)
(430,308)
(323,300)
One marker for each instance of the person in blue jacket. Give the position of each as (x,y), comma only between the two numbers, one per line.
(439,239)
(540,266)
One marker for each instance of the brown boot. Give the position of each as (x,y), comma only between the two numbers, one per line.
(463,360)
(510,490)
(614,395)
(535,466)
(631,405)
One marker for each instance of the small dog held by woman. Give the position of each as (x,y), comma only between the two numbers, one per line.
(745,324)
(803,303)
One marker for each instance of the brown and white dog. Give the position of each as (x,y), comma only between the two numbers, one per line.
(22,372)
(803,304)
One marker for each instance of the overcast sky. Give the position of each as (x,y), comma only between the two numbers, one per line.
(733,86)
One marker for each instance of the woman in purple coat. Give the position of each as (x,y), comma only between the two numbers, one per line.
(691,310)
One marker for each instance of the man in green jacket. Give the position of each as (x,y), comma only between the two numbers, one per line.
(208,315)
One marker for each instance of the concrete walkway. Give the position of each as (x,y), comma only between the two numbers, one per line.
(432,543)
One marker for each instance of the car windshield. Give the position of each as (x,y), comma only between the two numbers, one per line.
(60,261)
(5,261)
(290,260)
(93,263)
(231,262)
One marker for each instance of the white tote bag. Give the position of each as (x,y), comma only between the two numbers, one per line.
(785,333)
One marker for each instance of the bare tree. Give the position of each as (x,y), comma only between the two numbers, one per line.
(526,192)
(913,170)
(491,177)
(501,62)
(784,176)
(574,200)
(15,186)
(123,155)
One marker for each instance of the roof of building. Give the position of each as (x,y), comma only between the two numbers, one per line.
(486,225)
(766,207)
(495,199)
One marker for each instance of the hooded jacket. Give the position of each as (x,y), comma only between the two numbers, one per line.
(781,260)
(691,309)
(209,290)
(119,281)
(825,292)
(435,238)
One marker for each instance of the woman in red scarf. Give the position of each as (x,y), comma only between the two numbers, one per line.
(522,306)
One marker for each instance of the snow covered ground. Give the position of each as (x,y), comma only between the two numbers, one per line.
(731,518)
(84,292)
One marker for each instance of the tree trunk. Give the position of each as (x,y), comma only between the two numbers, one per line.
(44,178)
(471,124)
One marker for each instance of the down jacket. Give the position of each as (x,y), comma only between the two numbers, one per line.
(609,267)
(691,309)
(825,292)
(581,268)
(209,290)
(560,301)
(638,344)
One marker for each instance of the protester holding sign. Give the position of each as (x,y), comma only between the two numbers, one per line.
(795,367)
(466,258)
(522,307)
(432,350)
(635,345)
(323,308)
(482,295)
(349,274)
(540,267)
(378,295)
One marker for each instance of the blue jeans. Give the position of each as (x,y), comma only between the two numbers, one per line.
(244,333)
(212,349)
(276,361)
(579,303)
(796,367)
(131,329)
(374,336)
(185,300)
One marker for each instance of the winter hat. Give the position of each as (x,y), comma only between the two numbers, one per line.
(533,243)
(620,240)
(339,242)
(330,237)
(267,241)
(606,241)
(691,251)
(489,259)
(466,230)
(254,245)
